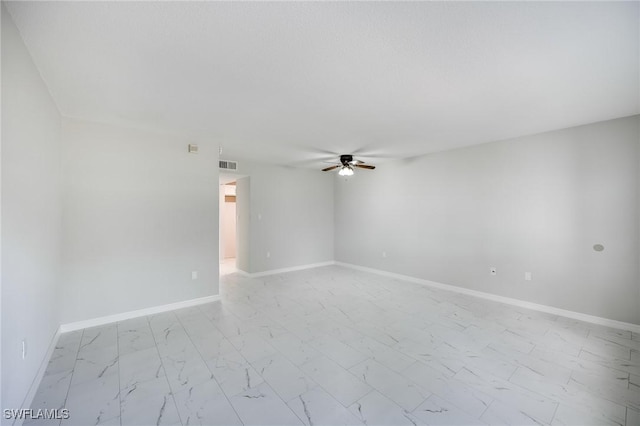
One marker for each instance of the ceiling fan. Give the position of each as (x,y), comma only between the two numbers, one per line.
(347,163)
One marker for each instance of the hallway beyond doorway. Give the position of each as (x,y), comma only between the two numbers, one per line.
(228,266)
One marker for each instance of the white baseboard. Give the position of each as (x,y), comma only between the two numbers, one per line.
(35,384)
(507,300)
(283,270)
(78,325)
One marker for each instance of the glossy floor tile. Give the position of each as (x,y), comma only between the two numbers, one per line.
(336,346)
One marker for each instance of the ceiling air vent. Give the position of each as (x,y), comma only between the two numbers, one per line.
(228,165)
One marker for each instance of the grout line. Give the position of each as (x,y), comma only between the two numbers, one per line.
(487,407)
(514,372)
(166,377)
(207,365)
(73,372)
(555,412)
(119,384)
(626,416)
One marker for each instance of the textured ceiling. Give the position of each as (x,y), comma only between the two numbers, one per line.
(296,82)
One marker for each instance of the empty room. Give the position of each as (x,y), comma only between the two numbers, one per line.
(320,213)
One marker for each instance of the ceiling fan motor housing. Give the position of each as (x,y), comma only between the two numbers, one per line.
(346,159)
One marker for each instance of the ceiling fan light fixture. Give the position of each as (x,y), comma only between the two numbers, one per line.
(347,165)
(346,171)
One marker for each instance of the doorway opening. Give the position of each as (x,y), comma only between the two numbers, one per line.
(228,226)
(233,227)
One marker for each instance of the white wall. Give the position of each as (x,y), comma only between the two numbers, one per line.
(243,223)
(140,213)
(290,216)
(220,220)
(31,216)
(537,203)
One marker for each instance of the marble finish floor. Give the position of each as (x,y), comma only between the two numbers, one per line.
(336,346)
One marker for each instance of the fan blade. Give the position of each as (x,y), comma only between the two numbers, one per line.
(354,162)
(331,168)
(364,166)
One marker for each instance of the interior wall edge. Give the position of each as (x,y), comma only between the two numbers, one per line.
(501,299)
(31,219)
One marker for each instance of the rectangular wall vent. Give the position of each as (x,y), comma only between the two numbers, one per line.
(228,165)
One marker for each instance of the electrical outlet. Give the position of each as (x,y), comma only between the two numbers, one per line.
(24,348)
(493,271)
(384,254)
(268,254)
(527,276)
(194,275)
